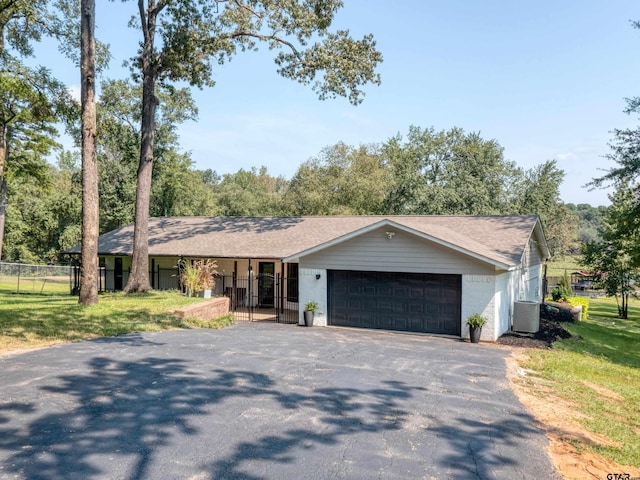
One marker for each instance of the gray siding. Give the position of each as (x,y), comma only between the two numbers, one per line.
(533,256)
(374,251)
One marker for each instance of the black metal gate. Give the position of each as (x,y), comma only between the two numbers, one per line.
(263,297)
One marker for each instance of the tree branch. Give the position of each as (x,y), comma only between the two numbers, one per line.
(266,38)
(249,9)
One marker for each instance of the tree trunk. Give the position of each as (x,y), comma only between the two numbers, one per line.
(4,153)
(139,275)
(89,259)
(3,209)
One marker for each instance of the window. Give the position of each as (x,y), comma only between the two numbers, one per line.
(292,282)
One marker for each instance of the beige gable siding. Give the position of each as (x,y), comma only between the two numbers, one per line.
(404,252)
(533,256)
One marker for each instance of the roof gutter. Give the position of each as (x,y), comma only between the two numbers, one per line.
(387,222)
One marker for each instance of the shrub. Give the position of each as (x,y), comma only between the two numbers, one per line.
(198,276)
(311,307)
(476,320)
(556,294)
(562,292)
(575,301)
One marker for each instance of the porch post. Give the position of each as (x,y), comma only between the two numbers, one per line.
(250,290)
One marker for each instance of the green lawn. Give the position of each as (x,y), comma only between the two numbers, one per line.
(599,373)
(30,321)
(35,285)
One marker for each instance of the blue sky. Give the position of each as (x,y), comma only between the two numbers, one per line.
(546,79)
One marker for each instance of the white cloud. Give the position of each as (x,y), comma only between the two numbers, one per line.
(569,156)
(74,91)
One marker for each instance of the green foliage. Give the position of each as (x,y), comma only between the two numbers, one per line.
(251,193)
(615,261)
(21,23)
(565,285)
(331,61)
(624,152)
(447,172)
(43,220)
(584,302)
(590,222)
(342,180)
(311,307)
(30,104)
(562,291)
(182,40)
(178,189)
(538,193)
(197,276)
(556,294)
(476,320)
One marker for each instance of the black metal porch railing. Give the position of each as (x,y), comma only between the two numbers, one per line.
(260,297)
(256,297)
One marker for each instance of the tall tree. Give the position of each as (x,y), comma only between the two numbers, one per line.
(538,192)
(446,173)
(615,260)
(193,33)
(31,100)
(625,152)
(178,189)
(43,218)
(90,207)
(341,180)
(19,25)
(27,118)
(118,145)
(589,221)
(250,193)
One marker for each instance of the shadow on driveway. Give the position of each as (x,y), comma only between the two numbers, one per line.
(157,417)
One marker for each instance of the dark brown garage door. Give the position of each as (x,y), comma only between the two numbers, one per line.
(414,302)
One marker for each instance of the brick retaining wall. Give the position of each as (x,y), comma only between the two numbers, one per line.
(215,308)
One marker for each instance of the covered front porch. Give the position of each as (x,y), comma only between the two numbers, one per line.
(260,289)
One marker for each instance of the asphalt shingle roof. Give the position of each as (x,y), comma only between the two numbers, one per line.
(500,239)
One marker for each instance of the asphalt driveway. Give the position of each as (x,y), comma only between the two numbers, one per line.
(265,401)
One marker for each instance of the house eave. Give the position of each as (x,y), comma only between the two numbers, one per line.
(386,222)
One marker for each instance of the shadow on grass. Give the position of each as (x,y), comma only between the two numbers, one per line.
(616,340)
(37,319)
(70,323)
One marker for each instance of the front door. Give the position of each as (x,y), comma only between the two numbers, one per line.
(117,274)
(266,273)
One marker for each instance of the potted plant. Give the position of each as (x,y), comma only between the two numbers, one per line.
(197,277)
(207,270)
(310,309)
(475,323)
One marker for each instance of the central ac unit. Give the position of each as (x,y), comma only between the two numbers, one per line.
(526,316)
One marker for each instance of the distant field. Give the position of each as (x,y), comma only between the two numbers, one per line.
(557,266)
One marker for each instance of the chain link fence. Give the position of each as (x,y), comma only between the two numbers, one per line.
(35,279)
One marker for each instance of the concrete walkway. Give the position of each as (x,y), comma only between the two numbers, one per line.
(265,401)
